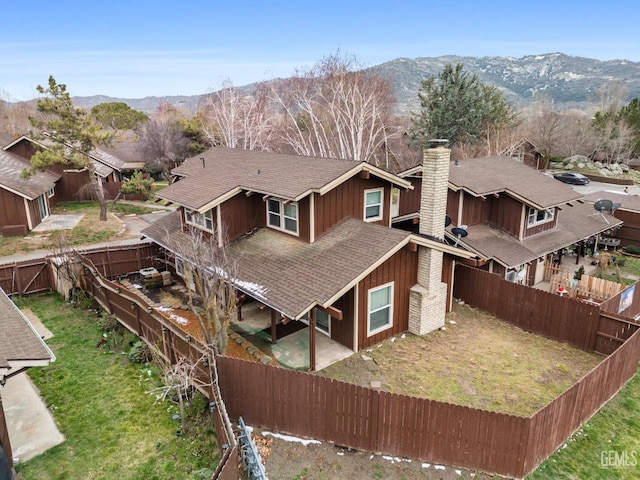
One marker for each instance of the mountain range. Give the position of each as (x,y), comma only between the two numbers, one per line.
(570,82)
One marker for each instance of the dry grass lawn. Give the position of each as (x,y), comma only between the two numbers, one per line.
(477,360)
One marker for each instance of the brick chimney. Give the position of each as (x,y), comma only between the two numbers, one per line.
(428,298)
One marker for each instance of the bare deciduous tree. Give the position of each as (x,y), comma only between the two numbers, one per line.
(209,272)
(235,119)
(163,143)
(336,110)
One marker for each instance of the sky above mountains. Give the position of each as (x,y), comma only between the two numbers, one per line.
(139,48)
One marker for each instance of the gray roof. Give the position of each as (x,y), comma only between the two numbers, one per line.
(291,275)
(10,168)
(627,202)
(20,345)
(489,175)
(574,224)
(212,176)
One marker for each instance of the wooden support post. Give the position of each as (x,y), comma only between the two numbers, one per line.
(273,327)
(312,340)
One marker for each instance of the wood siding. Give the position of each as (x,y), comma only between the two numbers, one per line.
(347,200)
(453,205)
(342,330)
(505,212)
(474,210)
(410,199)
(12,211)
(543,227)
(241,214)
(402,269)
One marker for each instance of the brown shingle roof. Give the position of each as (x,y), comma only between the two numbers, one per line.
(574,224)
(488,175)
(225,171)
(291,275)
(20,346)
(10,168)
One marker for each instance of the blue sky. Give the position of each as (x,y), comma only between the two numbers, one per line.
(134,49)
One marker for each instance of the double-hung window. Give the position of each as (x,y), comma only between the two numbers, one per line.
(202,220)
(373,200)
(380,312)
(282,215)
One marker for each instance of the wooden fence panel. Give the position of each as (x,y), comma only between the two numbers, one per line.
(536,311)
(27,277)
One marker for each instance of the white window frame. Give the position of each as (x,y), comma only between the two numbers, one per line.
(389,324)
(51,192)
(379,205)
(395,202)
(283,217)
(533,214)
(200,220)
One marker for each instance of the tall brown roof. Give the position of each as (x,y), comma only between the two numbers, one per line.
(20,345)
(10,168)
(489,175)
(220,172)
(291,275)
(574,224)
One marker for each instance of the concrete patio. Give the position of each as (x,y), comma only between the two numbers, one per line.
(292,350)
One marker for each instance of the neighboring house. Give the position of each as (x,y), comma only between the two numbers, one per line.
(518,221)
(20,348)
(312,238)
(110,169)
(24,203)
(527,153)
(628,212)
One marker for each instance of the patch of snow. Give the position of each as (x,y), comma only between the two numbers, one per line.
(340,453)
(289,438)
(452,322)
(393,339)
(371,457)
(135,285)
(251,288)
(403,336)
(179,319)
(163,308)
(439,467)
(458,472)
(426,465)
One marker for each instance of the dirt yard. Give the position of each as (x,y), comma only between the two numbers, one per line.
(475,360)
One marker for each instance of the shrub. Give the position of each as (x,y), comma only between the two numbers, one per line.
(140,352)
(197,404)
(632,249)
(137,184)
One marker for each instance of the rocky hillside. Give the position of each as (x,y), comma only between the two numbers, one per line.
(569,81)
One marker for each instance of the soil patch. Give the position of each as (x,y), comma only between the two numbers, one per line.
(475,360)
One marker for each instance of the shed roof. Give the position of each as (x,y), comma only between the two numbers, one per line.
(574,224)
(20,345)
(220,173)
(10,168)
(292,276)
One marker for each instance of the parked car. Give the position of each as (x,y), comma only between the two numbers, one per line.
(572,178)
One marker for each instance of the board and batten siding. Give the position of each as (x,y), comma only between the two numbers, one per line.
(347,200)
(402,269)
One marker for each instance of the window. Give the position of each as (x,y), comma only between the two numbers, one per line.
(395,202)
(536,217)
(51,192)
(373,204)
(203,220)
(283,216)
(380,309)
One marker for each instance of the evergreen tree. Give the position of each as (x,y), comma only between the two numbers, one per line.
(458,107)
(72,134)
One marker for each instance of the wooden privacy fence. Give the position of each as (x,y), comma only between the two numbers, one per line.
(34,276)
(171,343)
(311,406)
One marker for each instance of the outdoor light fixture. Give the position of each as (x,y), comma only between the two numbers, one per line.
(213,408)
(164,329)
(117,289)
(133,305)
(187,338)
(150,310)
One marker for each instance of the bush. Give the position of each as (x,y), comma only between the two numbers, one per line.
(137,184)
(632,249)
(140,352)
(197,404)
